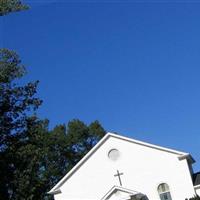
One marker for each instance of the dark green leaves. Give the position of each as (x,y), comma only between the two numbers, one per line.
(8,6)
(10,66)
(16,101)
(17,106)
(46,156)
(32,158)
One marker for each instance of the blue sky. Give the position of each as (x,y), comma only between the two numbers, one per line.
(133,66)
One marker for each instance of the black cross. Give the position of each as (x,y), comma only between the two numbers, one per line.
(119,174)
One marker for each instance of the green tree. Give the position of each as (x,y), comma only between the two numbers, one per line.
(28,181)
(16,102)
(67,145)
(46,156)
(8,6)
(17,106)
(32,158)
(82,138)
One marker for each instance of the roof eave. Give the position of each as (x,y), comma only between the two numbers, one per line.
(56,191)
(197,186)
(188,157)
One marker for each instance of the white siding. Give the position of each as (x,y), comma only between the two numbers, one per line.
(144,169)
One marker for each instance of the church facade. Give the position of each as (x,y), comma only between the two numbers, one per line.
(120,168)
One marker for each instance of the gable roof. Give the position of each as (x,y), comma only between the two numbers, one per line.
(181,156)
(121,189)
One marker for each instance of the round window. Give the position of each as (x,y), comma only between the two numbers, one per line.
(113,154)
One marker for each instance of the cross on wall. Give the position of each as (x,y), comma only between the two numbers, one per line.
(118,175)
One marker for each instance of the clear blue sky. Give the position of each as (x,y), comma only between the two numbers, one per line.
(133,66)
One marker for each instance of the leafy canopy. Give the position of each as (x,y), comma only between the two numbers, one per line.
(8,6)
(32,158)
(16,102)
(17,106)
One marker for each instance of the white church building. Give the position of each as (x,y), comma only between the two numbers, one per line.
(120,168)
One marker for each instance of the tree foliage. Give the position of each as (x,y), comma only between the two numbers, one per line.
(33,158)
(8,6)
(67,145)
(15,101)
(196,197)
(49,155)
(16,106)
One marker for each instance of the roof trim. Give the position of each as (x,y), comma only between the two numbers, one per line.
(100,143)
(131,192)
(197,186)
(188,157)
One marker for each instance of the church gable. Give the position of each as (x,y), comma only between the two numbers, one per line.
(120,161)
(120,193)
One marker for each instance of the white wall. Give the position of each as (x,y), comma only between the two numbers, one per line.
(144,169)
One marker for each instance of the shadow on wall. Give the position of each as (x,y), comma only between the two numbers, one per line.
(140,197)
(196,197)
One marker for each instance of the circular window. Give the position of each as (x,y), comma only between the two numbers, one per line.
(113,154)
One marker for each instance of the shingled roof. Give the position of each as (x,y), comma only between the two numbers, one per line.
(196,178)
